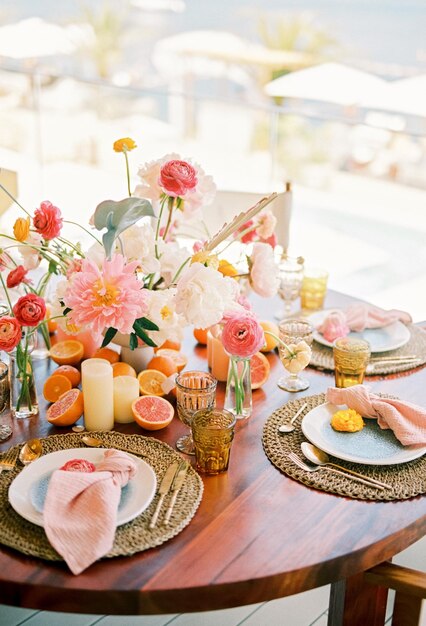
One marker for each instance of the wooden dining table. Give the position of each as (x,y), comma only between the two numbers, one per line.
(258,535)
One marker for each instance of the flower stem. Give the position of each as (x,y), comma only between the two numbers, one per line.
(127,172)
(281,342)
(14,200)
(6,292)
(85,230)
(157,231)
(175,277)
(171,203)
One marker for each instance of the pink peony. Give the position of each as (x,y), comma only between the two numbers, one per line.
(16,276)
(263,271)
(110,296)
(48,220)
(242,335)
(266,225)
(334,326)
(10,333)
(30,310)
(73,266)
(177,178)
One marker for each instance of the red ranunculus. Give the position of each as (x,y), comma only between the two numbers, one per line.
(16,276)
(177,177)
(10,333)
(48,220)
(30,310)
(249,236)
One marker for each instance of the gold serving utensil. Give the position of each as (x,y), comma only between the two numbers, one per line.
(163,489)
(288,428)
(371,367)
(94,442)
(177,484)
(397,357)
(30,451)
(8,461)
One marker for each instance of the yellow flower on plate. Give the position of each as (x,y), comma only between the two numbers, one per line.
(226,268)
(124,145)
(21,228)
(347,420)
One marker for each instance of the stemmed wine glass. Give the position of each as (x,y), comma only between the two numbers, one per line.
(195,390)
(290,272)
(297,334)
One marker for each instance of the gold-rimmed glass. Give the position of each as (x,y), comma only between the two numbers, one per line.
(290,272)
(292,332)
(195,390)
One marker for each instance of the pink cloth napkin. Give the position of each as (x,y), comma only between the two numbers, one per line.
(358,317)
(80,510)
(408,421)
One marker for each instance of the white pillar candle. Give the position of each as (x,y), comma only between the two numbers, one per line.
(126,389)
(97,384)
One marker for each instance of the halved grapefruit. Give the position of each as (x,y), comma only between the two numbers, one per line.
(67,410)
(260,369)
(152,412)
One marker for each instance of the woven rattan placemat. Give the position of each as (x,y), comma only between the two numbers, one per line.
(322,356)
(135,536)
(406,480)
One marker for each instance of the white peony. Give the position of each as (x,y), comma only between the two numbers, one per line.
(139,245)
(162,311)
(203,295)
(149,174)
(172,256)
(31,257)
(264,278)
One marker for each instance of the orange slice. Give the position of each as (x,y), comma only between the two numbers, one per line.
(55,386)
(152,412)
(150,382)
(200,335)
(67,410)
(179,358)
(67,352)
(107,353)
(172,345)
(70,372)
(123,369)
(163,364)
(270,342)
(260,369)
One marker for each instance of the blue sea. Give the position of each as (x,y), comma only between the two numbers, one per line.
(387,31)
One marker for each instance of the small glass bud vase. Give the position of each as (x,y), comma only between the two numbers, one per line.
(23,396)
(238,387)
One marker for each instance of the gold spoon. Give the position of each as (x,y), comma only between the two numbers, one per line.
(30,451)
(94,442)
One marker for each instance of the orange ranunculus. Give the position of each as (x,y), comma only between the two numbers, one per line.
(226,268)
(21,228)
(124,145)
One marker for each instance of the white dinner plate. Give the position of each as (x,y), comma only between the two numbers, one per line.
(370,446)
(28,490)
(383,339)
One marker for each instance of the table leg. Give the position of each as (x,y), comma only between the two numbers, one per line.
(355,603)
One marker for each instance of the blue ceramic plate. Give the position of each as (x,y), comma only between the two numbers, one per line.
(28,490)
(370,446)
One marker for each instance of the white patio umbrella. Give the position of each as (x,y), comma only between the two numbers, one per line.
(328,82)
(407,95)
(35,37)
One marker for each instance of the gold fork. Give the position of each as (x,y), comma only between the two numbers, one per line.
(8,461)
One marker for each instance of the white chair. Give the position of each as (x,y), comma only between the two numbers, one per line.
(228,204)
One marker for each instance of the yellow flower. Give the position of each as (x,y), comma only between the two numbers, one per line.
(347,420)
(209,260)
(226,268)
(295,357)
(124,145)
(21,228)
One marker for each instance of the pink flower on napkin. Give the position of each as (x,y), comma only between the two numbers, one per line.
(406,420)
(80,511)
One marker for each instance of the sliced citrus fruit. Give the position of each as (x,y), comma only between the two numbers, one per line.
(150,382)
(67,352)
(67,410)
(55,386)
(270,342)
(163,364)
(152,412)
(70,372)
(52,325)
(179,358)
(200,335)
(123,369)
(171,345)
(260,369)
(107,353)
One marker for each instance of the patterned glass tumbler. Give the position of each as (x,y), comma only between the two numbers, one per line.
(195,391)
(213,433)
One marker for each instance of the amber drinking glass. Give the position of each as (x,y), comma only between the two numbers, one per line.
(213,433)
(351,358)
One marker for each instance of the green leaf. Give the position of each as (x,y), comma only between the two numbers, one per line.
(142,335)
(144,322)
(109,336)
(53,267)
(116,217)
(66,311)
(133,341)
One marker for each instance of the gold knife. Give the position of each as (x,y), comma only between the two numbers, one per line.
(163,489)
(177,484)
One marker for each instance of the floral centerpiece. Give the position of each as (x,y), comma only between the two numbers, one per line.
(138,283)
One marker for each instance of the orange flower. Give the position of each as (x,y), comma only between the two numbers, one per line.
(21,228)
(226,268)
(124,145)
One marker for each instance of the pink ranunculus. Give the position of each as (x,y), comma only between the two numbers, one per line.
(10,333)
(242,335)
(244,301)
(73,266)
(249,236)
(198,246)
(177,178)
(16,277)
(266,225)
(48,220)
(30,310)
(263,271)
